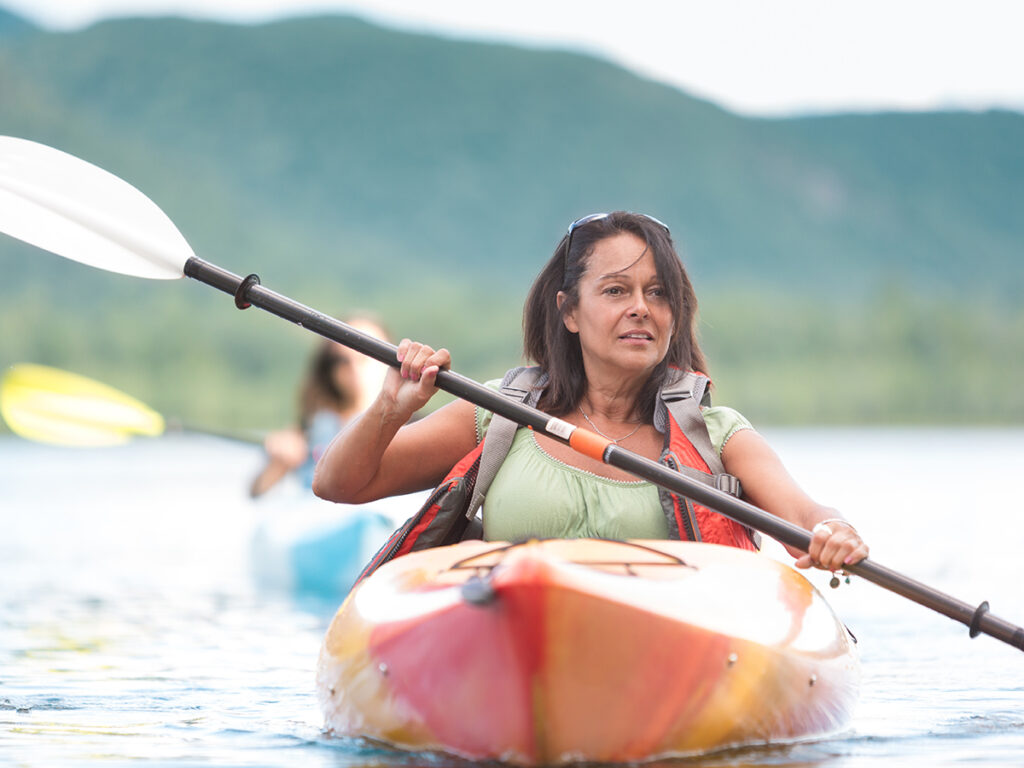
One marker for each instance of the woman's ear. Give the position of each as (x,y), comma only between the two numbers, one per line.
(568,318)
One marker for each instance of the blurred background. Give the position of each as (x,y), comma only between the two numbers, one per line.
(847,190)
(845,182)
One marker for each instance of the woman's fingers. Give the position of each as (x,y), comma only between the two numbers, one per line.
(829,544)
(859,553)
(804,561)
(833,546)
(416,357)
(411,385)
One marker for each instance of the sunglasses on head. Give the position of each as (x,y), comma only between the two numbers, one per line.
(597,217)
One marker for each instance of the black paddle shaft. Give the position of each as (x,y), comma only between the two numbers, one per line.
(248,291)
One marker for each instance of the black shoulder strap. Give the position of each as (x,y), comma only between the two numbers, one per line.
(525,385)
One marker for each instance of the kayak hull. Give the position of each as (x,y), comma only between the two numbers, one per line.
(315,550)
(568,651)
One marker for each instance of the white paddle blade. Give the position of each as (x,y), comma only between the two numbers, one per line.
(62,204)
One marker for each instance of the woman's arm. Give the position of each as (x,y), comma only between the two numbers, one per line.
(378,455)
(768,485)
(286,451)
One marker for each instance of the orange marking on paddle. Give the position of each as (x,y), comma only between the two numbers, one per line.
(589,443)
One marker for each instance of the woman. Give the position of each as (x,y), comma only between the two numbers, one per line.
(610,319)
(338,385)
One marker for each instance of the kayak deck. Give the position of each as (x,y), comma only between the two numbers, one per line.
(563,651)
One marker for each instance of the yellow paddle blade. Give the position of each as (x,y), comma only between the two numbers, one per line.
(49,405)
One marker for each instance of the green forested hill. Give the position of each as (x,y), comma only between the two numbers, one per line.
(427,179)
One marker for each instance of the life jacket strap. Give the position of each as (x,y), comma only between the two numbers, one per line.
(683,395)
(729,484)
(525,385)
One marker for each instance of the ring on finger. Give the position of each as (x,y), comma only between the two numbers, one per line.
(822,527)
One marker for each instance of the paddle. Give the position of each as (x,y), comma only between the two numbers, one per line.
(76,210)
(52,406)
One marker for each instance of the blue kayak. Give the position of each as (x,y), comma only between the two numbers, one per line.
(308,547)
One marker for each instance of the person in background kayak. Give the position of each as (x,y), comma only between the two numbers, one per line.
(338,385)
(610,319)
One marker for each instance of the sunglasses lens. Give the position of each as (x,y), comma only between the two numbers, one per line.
(586,220)
(598,216)
(661,224)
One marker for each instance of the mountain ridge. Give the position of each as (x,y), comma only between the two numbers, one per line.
(355,165)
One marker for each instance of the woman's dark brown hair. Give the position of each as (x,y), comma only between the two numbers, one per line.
(554,348)
(319,390)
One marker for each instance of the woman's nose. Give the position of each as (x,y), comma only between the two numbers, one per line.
(639,308)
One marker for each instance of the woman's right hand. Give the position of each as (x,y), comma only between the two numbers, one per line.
(288,447)
(287,450)
(411,386)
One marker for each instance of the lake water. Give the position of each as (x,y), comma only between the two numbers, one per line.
(132,631)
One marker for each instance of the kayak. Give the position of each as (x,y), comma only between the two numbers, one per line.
(311,548)
(586,650)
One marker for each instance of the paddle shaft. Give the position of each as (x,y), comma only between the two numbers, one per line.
(249,291)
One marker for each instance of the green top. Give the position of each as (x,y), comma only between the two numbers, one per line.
(536,495)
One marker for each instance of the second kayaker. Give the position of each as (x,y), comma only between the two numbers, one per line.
(338,385)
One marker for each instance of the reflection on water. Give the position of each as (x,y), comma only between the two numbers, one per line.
(131,628)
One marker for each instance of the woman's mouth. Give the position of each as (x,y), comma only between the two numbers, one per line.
(637,336)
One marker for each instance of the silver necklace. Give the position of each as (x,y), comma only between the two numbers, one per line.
(609,437)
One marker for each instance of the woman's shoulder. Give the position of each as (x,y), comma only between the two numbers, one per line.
(520,380)
(723,422)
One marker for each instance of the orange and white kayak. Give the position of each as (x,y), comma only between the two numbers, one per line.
(585,650)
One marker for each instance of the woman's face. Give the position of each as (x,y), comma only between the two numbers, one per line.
(367,372)
(344,371)
(623,318)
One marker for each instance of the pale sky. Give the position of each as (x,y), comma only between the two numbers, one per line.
(755,57)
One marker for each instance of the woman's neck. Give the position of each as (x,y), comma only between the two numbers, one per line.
(612,399)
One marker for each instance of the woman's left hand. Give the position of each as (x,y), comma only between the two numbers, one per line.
(835,544)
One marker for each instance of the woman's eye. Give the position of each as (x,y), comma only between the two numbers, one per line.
(613,290)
